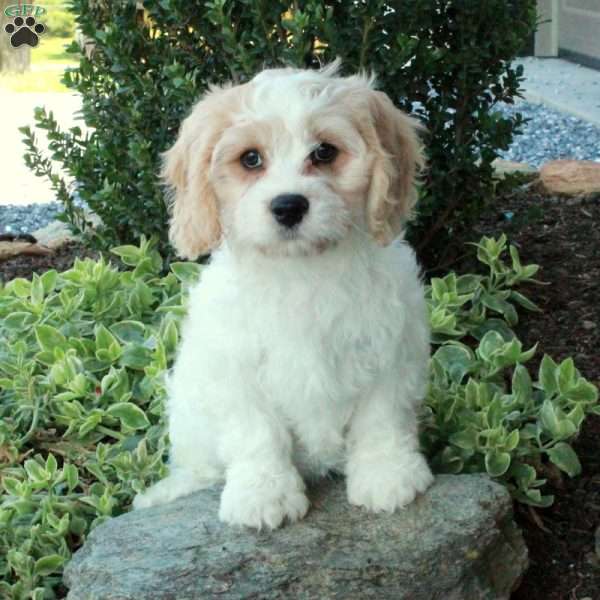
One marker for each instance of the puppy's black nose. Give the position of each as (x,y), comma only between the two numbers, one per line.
(288,209)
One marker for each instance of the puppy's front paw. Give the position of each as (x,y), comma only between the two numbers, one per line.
(262,499)
(387,484)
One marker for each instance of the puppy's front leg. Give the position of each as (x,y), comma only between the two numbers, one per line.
(262,487)
(384,468)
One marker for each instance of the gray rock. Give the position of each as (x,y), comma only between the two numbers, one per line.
(457,542)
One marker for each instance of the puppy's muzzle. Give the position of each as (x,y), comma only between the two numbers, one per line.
(289,209)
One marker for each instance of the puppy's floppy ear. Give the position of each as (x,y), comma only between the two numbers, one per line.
(195,228)
(398,155)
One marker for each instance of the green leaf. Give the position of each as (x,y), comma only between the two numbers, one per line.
(49,337)
(529,271)
(71,476)
(547,375)
(549,418)
(576,416)
(566,428)
(497,325)
(48,564)
(491,343)
(449,461)
(129,331)
(521,384)
(11,485)
(21,287)
(493,302)
(516,261)
(566,375)
(466,284)
(170,335)
(466,439)
(472,393)
(130,255)
(129,414)
(438,288)
(18,321)
(523,473)
(51,465)
(457,361)
(135,356)
(104,338)
(523,301)
(90,423)
(497,463)
(535,498)
(512,440)
(565,458)
(37,290)
(186,272)
(583,391)
(49,279)
(35,471)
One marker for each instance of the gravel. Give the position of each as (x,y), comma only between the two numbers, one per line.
(549,135)
(25,218)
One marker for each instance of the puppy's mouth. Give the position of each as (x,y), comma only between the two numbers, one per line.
(290,233)
(292,243)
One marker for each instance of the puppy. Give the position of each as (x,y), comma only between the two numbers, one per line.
(306,345)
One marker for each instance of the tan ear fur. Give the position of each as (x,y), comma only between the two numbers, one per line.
(398,156)
(195,228)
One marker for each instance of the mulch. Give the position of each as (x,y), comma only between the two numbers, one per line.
(61,260)
(562,235)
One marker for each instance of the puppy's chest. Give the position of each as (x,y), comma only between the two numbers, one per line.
(320,355)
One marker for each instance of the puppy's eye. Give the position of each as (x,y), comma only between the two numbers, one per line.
(323,154)
(251,159)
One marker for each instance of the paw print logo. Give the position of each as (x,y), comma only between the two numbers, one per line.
(24,31)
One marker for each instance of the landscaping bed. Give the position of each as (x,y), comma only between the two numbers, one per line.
(61,260)
(561,235)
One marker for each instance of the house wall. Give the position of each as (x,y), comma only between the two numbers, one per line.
(579,30)
(569,28)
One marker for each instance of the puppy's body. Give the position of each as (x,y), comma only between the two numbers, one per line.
(305,349)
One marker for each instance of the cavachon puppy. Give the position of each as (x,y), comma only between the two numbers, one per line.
(306,345)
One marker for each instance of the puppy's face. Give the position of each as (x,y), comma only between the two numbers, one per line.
(289,163)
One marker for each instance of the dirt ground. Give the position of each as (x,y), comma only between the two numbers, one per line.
(563,237)
(61,260)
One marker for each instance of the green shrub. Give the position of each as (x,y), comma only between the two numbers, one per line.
(82,358)
(452,57)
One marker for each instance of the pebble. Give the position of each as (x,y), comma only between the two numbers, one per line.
(25,218)
(549,135)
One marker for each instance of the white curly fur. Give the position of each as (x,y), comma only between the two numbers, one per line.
(302,352)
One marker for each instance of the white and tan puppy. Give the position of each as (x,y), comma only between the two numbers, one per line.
(306,345)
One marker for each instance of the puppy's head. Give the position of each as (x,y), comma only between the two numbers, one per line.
(289,163)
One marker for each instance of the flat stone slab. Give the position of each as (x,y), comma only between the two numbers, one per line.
(457,542)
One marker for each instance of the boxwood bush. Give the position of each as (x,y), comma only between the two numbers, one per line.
(82,359)
(447,61)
